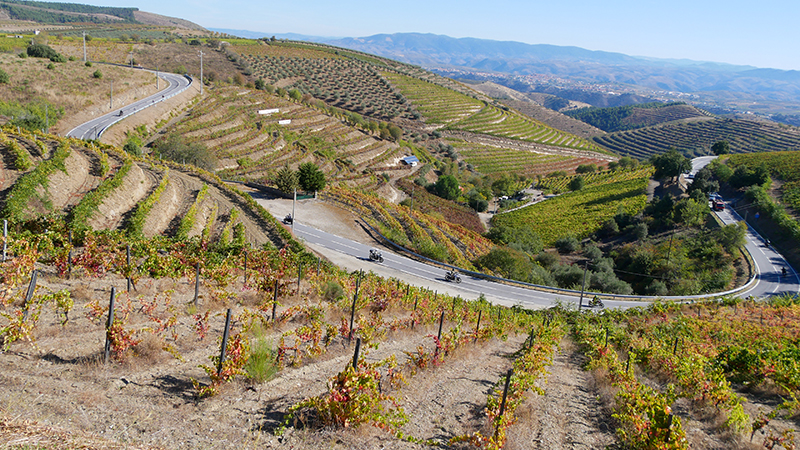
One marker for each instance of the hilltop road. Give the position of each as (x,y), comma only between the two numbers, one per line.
(95,128)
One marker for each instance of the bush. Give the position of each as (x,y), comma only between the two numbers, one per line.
(586,168)
(593,253)
(507,262)
(51,66)
(657,288)
(567,244)
(175,149)
(97,74)
(478,204)
(547,260)
(333,291)
(133,147)
(4,77)
(42,51)
(88,64)
(576,184)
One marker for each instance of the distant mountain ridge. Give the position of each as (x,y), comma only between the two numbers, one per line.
(720,81)
(437,51)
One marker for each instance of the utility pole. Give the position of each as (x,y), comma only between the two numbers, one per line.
(583,285)
(84,47)
(294,218)
(157,78)
(201,73)
(111,102)
(131,60)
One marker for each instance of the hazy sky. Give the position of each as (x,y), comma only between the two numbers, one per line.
(759,33)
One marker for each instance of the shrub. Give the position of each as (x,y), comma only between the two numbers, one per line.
(576,184)
(51,66)
(586,168)
(261,364)
(567,244)
(97,74)
(42,51)
(333,291)
(4,77)
(88,64)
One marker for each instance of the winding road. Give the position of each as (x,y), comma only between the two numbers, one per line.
(95,127)
(768,281)
(769,264)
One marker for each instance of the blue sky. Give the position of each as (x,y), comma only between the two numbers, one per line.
(758,33)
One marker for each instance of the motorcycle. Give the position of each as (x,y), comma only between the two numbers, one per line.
(288,219)
(375,255)
(452,276)
(596,302)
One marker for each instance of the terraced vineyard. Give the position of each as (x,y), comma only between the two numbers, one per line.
(487,159)
(621,118)
(559,184)
(99,187)
(251,146)
(580,213)
(431,237)
(345,83)
(696,138)
(437,104)
(457,111)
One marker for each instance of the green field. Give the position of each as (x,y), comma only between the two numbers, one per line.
(578,213)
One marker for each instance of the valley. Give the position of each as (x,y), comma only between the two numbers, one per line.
(151,297)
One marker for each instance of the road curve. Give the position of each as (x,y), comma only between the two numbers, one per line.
(93,129)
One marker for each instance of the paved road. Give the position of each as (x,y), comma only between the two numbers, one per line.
(95,128)
(470,287)
(769,263)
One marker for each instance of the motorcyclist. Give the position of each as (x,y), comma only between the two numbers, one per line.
(288,218)
(374,254)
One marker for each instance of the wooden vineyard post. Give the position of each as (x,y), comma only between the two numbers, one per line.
(675,347)
(109,324)
(355,354)
(414,314)
(225,335)
(196,283)
(669,428)
(69,257)
(29,294)
(530,342)
(441,322)
(478,325)
(274,300)
(353,308)
(505,392)
(128,266)
(628,364)
(245,267)
(299,276)
(319,261)
(5,239)
(606,344)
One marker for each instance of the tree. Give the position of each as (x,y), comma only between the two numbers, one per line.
(260,84)
(670,164)
(286,180)
(174,148)
(586,168)
(576,184)
(447,187)
(395,132)
(721,148)
(507,262)
(310,177)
